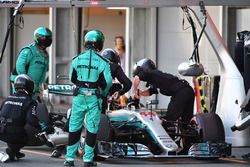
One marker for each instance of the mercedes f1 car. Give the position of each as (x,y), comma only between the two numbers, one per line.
(139,132)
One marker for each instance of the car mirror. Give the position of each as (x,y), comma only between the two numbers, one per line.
(152,102)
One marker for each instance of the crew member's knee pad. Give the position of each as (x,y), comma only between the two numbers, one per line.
(90,139)
(74,137)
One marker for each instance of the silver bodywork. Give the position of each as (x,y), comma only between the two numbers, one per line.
(59,137)
(152,123)
(149,124)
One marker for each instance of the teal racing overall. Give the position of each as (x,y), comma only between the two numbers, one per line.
(91,74)
(34,62)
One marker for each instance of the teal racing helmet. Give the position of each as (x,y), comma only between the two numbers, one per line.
(43,37)
(94,39)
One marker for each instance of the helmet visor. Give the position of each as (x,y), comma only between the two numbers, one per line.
(44,41)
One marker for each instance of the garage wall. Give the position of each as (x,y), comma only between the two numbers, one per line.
(110,21)
(242,15)
(31,23)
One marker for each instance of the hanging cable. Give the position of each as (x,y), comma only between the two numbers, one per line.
(18,10)
(203,11)
(20,22)
(195,55)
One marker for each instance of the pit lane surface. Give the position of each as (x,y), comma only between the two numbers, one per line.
(40,157)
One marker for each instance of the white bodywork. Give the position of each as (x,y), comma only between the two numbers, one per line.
(151,122)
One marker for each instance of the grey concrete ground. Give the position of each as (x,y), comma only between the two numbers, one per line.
(40,157)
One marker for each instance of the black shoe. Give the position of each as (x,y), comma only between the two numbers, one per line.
(69,163)
(20,155)
(56,154)
(87,164)
(11,154)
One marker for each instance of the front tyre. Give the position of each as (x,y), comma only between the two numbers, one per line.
(211,135)
(210,127)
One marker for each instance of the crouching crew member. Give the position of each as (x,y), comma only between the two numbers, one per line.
(17,110)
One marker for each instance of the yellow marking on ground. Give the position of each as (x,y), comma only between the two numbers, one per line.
(235,160)
(35,152)
(46,154)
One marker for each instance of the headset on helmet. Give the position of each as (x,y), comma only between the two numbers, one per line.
(112,55)
(145,65)
(43,37)
(94,39)
(24,82)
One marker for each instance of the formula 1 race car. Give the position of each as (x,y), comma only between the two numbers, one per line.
(138,132)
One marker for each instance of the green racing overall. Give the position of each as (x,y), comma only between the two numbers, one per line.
(91,74)
(34,62)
